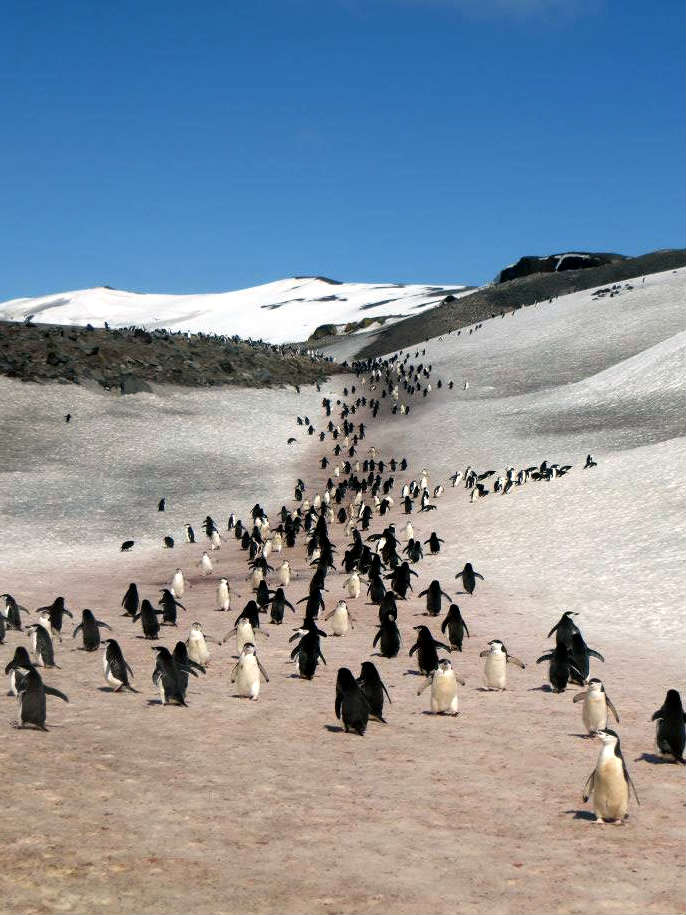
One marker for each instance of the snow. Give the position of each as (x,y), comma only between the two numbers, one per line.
(284,311)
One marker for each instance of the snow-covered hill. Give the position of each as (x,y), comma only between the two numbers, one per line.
(281,312)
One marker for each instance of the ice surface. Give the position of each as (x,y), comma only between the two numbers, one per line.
(281,312)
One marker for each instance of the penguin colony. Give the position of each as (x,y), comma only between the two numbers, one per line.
(377,566)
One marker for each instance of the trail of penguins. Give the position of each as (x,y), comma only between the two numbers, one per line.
(355,492)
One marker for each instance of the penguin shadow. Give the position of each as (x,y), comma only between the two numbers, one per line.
(333,728)
(654,759)
(583,736)
(414,673)
(546,688)
(581,814)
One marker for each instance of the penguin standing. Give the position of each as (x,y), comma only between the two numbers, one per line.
(190,534)
(185,664)
(610,781)
(223,594)
(130,601)
(469,576)
(12,612)
(31,699)
(13,669)
(596,703)
(43,649)
(341,619)
(434,542)
(115,667)
(285,573)
(169,604)
(565,628)
(167,677)
(352,585)
(148,617)
(497,659)
(388,636)
(246,673)
(307,654)
(580,654)
(433,597)
(205,564)
(196,645)
(178,583)
(443,682)
(56,611)
(278,603)
(373,688)
(90,630)
(456,627)
(670,734)
(351,704)
(425,646)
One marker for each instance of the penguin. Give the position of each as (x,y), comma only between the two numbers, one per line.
(434,542)
(561,667)
(130,601)
(341,619)
(190,534)
(351,706)
(205,564)
(215,540)
(388,636)
(565,628)
(148,617)
(609,782)
(373,688)
(306,655)
(56,611)
(168,542)
(178,583)
(456,627)
(246,673)
(425,646)
(469,576)
(196,645)
(20,660)
(443,682)
(223,594)
(670,734)
(352,585)
(126,546)
(495,667)
(90,630)
(31,699)
(169,604)
(12,612)
(596,703)
(161,505)
(580,654)
(185,664)
(43,649)
(115,667)
(167,677)
(278,606)
(433,598)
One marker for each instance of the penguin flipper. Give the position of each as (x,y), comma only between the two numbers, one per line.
(414,648)
(512,660)
(383,687)
(478,575)
(552,630)
(337,705)
(296,649)
(464,626)
(100,623)
(322,657)
(655,716)
(545,657)
(588,787)
(629,781)
(51,691)
(376,639)
(610,706)
(579,697)
(427,682)
(444,625)
(262,670)
(77,630)
(595,654)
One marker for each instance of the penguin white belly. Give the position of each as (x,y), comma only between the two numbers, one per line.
(610,790)
(444,693)
(495,671)
(178,585)
(248,677)
(244,634)
(354,588)
(339,621)
(284,577)
(109,676)
(223,600)
(594,713)
(215,541)
(162,693)
(13,682)
(197,649)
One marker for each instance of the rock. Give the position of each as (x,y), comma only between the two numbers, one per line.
(132,384)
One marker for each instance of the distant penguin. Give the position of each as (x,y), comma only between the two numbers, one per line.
(443,682)
(115,667)
(167,677)
(433,597)
(196,645)
(20,661)
(90,630)
(223,594)
(469,576)
(178,583)
(340,618)
(596,703)
(161,505)
(130,601)
(456,627)
(425,646)
(31,699)
(609,783)
(373,688)
(497,658)
(352,585)
(169,604)
(56,611)
(148,617)
(43,649)
(168,542)
(307,654)
(246,673)
(285,573)
(190,534)
(206,566)
(126,546)
(215,540)
(670,734)
(351,704)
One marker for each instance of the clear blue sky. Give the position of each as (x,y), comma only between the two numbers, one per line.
(196,146)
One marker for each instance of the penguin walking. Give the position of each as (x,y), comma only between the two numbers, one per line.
(13,669)
(148,617)
(223,594)
(130,601)
(434,542)
(31,702)
(341,618)
(169,605)
(388,636)
(56,612)
(90,630)
(565,628)
(596,703)
(12,612)
(116,667)
(469,576)
(185,664)
(425,646)
(456,627)
(609,782)
(285,573)
(670,734)
(580,654)
(561,667)
(178,583)
(373,688)
(278,603)
(443,682)
(433,598)
(205,564)
(307,654)
(352,585)
(495,668)
(351,706)
(167,677)
(43,649)
(190,534)
(246,673)
(196,645)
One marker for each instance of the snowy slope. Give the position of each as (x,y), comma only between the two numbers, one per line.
(281,312)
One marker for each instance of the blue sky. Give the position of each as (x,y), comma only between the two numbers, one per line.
(178,147)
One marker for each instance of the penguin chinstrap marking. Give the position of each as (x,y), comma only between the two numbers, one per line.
(31,703)
(495,668)
(340,617)
(115,667)
(670,733)
(596,704)
(609,783)
(443,682)
(373,688)
(89,628)
(246,673)
(351,706)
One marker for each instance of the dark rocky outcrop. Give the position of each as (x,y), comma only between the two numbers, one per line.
(556,263)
